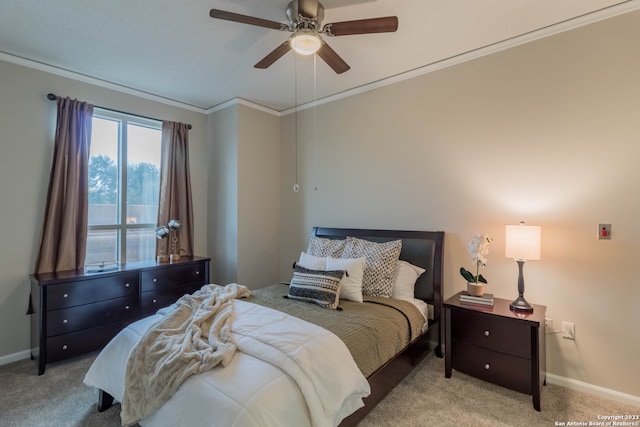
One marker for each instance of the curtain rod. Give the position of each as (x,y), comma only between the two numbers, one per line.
(53,97)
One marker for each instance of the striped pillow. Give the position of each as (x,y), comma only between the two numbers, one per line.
(316,286)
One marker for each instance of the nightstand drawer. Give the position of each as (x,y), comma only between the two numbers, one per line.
(497,368)
(491,333)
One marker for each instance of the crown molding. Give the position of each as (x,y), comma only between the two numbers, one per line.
(40,66)
(609,12)
(570,24)
(241,101)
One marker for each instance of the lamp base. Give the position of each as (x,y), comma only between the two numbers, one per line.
(521,305)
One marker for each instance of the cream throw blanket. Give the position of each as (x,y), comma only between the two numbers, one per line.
(193,336)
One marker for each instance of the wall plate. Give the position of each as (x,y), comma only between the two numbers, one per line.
(604,231)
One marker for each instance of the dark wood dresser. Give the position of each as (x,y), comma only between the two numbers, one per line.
(76,312)
(497,345)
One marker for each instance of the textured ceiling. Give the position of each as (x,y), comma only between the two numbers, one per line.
(175,51)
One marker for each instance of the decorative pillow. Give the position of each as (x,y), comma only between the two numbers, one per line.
(312,262)
(351,284)
(317,286)
(319,246)
(381,262)
(404,280)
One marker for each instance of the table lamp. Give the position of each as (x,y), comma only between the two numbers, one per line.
(522,243)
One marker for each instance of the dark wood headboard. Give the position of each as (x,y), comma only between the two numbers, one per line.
(421,248)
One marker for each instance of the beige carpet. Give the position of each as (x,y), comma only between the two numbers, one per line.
(425,398)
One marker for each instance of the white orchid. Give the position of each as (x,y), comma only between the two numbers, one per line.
(478,248)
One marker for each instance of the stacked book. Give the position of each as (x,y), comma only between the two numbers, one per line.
(485,299)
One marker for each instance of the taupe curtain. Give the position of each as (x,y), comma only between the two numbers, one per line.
(64,231)
(175,200)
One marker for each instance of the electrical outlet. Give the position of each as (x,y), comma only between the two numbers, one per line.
(548,324)
(568,330)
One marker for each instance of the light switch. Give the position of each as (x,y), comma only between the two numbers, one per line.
(604,231)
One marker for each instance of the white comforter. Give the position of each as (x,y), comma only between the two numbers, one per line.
(286,372)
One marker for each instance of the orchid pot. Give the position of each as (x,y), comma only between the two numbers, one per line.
(475,289)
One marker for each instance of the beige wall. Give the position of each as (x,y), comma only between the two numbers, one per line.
(27,128)
(244,196)
(258,198)
(546,133)
(223,195)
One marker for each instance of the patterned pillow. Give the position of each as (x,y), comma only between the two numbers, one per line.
(317,286)
(380,266)
(319,246)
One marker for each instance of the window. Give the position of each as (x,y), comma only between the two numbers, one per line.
(124,182)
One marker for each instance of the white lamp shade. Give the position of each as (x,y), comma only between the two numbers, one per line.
(305,43)
(522,242)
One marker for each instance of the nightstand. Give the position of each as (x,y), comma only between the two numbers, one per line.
(497,345)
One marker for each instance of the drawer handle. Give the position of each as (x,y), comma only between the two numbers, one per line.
(197,273)
(65,295)
(154,301)
(126,307)
(487,366)
(64,347)
(126,285)
(64,321)
(155,280)
(486,333)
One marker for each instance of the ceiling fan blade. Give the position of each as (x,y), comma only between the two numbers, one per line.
(244,19)
(308,8)
(332,59)
(274,55)
(387,24)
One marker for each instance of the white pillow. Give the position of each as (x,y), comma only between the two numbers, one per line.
(351,283)
(404,280)
(312,262)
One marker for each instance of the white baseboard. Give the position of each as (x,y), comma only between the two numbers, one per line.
(10,358)
(606,393)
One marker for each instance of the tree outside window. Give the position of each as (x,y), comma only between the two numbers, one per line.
(122,218)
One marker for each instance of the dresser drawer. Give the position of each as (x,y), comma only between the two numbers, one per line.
(501,369)
(76,343)
(101,288)
(491,333)
(71,319)
(167,278)
(154,300)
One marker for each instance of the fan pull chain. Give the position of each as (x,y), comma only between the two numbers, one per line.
(296,187)
(315,122)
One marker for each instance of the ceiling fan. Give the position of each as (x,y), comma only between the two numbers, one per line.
(305,22)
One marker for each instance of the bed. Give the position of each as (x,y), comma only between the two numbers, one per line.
(273,397)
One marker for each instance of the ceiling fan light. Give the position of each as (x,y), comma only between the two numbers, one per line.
(305,43)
